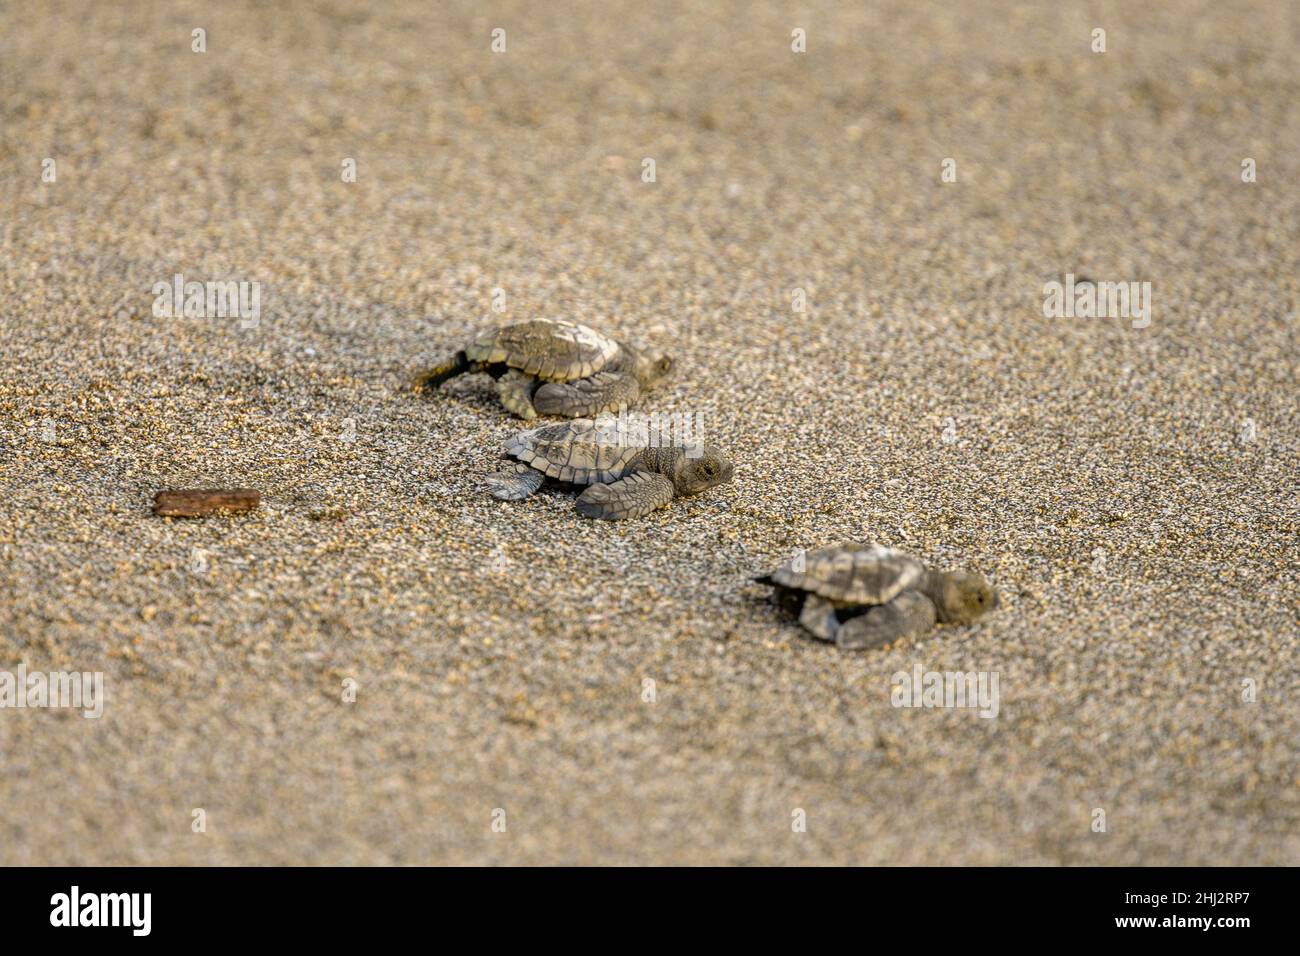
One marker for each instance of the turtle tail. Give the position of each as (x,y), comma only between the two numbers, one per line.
(789,599)
(458,364)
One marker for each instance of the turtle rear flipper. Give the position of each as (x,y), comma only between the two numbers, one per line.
(818,616)
(588,397)
(516,392)
(458,364)
(632,497)
(514,483)
(909,615)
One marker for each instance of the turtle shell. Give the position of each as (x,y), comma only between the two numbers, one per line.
(552,350)
(853,573)
(578,451)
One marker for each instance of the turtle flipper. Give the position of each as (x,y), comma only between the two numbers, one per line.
(632,497)
(514,483)
(516,392)
(427,381)
(818,616)
(909,615)
(588,397)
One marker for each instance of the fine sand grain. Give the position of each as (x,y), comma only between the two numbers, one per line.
(1132,491)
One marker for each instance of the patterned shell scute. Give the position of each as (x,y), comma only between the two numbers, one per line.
(552,350)
(854,573)
(577,451)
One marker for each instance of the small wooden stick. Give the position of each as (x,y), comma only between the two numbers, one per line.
(196,502)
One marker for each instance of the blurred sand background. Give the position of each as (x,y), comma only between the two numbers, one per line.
(1132,491)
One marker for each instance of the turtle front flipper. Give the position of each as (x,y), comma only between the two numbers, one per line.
(632,497)
(514,482)
(516,392)
(588,397)
(909,615)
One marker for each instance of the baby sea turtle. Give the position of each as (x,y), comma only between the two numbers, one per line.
(623,480)
(552,367)
(866,595)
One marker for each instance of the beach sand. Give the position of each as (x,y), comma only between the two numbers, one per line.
(1131,490)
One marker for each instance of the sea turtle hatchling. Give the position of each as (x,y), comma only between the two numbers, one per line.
(866,595)
(623,480)
(552,367)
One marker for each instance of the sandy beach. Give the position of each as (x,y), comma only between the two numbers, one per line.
(381,664)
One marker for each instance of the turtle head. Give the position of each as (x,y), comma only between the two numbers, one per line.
(960,596)
(692,475)
(647,365)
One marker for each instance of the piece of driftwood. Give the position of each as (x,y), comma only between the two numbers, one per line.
(196,502)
